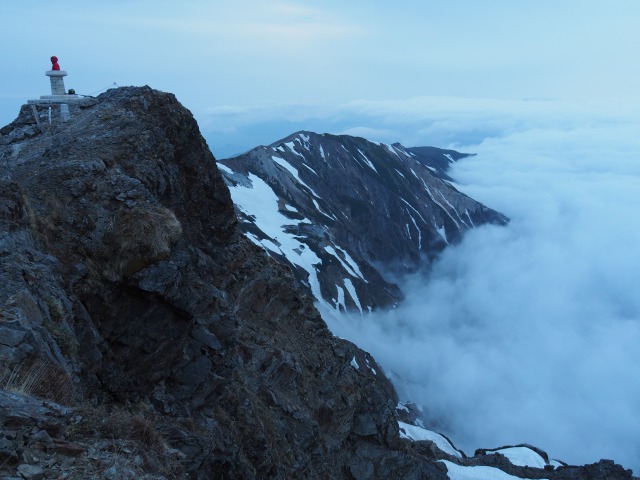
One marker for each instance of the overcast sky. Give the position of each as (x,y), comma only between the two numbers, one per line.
(253,71)
(527,333)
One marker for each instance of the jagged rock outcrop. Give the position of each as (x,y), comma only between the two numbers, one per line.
(346,213)
(126,283)
(143,336)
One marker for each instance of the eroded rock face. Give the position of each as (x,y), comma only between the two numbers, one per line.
(165,343)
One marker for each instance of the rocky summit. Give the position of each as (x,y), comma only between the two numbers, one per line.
(143,336)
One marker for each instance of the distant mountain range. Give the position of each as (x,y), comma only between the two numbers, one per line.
(347,214)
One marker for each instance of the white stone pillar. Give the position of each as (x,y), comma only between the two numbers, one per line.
(57,81)
(65,115)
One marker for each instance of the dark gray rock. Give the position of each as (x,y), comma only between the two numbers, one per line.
(31,472)
(117,472)
(11,337)
(604,469)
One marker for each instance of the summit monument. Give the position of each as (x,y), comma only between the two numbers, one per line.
(59,98)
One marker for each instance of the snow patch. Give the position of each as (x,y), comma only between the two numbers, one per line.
(340,300)
(458,472)
(373,370)
(308,167)
(469,217)
(305,140)
(321,211)
(417,229)
(354,364)
(392,149)
(367,160)
(293,171)
(348,284)
(521,456)
(452,208)
(441,231)
(439,204)
(290,146)
(413,208)
(290,208)
(348,263)
(414,433)
(225,168)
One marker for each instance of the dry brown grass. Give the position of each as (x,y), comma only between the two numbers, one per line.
(43,379)
(44,224)
(134,427)
(138,237)
(130,435)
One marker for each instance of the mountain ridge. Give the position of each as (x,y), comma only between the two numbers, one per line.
(360,210)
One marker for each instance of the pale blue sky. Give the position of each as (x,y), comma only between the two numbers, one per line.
(247,66)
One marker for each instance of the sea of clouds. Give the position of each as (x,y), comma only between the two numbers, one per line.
(528,333)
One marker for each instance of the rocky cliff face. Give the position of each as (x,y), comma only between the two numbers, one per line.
(345,212)
(143,336)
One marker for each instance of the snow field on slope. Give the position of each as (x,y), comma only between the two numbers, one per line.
(459,472)
(262,203)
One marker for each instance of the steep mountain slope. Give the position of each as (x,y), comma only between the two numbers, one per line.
(142,336)
(343,212)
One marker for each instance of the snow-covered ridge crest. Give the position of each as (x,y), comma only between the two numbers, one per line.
(340,209)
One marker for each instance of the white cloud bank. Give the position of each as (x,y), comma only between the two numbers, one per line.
(418,121)
(531,333)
